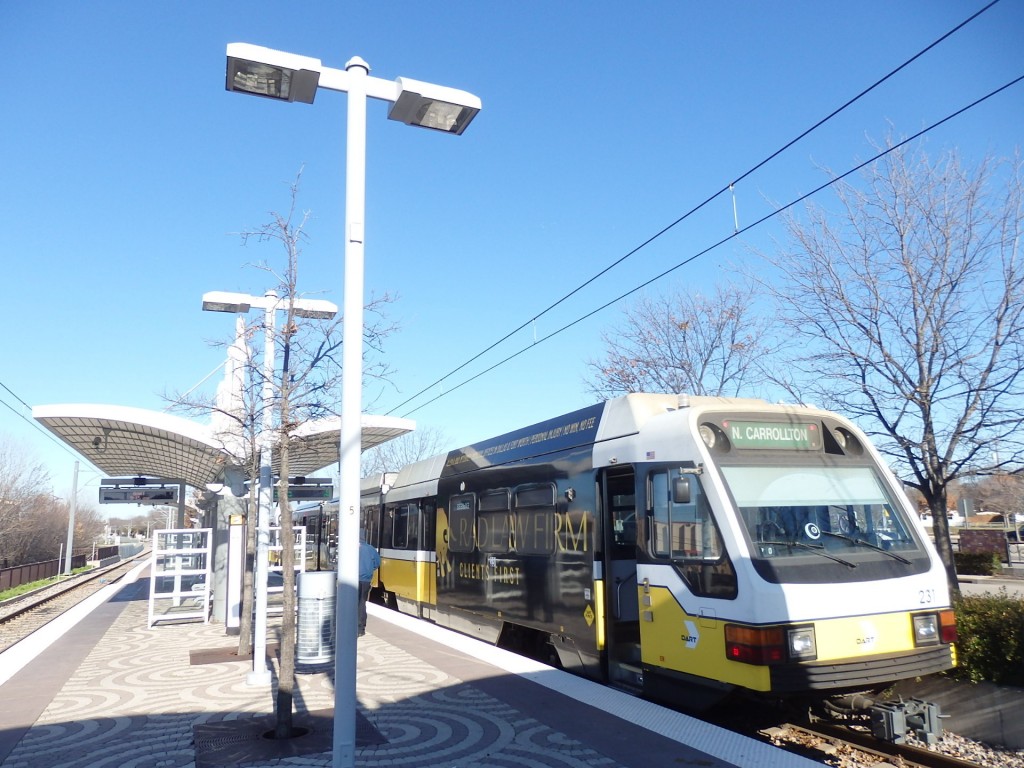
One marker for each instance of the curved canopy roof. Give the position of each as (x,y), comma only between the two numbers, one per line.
(315,444)
(125,441)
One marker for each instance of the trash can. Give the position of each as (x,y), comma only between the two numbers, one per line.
(315,626)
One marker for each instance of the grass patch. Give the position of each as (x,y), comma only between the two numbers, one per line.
(21,589)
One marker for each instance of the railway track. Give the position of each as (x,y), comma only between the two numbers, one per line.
(851,743)
(23,615)
(848,748)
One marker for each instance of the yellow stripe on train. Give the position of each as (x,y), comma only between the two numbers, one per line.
(409,579)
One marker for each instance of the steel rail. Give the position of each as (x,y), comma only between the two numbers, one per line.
(837,735)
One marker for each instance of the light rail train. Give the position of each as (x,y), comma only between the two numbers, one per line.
(682,548)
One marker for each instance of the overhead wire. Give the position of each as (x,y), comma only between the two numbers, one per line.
(14,395)
(727,188)
(34,424)
(724,240)
(14,410)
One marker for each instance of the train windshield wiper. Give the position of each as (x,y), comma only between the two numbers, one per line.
(868,544)
(817,550)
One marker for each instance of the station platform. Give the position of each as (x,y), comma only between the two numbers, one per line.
(97,687)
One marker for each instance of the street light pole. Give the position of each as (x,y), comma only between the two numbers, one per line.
(350,442)
(288,77)
(72,507)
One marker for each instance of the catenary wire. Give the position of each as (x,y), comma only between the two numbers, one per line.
(15,410)
(654,237)
(724,240)
(693,210)
(11,391)
(34,424)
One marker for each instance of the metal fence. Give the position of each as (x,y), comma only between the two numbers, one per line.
(25,574)
(1015,553)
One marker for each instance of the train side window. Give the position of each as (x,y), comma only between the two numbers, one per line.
(429,514)
(388,531)
(682,530)
(400,527)
(462,523)
(661,521)
(492,522)
(412,528)
(405,526)
(623,519)
(535,519)
(373,529)
(328,525)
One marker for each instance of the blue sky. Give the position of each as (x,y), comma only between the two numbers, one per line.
(127,168)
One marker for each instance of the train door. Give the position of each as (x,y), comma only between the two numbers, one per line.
(622,610)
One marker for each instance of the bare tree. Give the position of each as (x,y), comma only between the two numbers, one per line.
(1001,494)
(235,411)
(34,522)
(906,311)
(303,393)
(304,389)
(685,342)
(23,503)
(395,454)
(141,523)
(89,525)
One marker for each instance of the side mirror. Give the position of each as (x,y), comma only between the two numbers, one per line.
(681,490)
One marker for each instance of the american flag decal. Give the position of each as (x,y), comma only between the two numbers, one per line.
(650,455)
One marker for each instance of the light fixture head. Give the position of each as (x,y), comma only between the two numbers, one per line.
(433,106)
(261,71)
(226,301)
(317,309)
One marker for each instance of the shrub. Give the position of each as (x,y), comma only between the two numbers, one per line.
(991,644)
(977,563)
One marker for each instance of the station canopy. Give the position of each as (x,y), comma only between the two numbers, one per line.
(132,442)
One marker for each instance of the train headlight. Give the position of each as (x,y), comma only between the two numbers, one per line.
(934,628)
(849,444)
(714,438)
(802,646)
(926,629)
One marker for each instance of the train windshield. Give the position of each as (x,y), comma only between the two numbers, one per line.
(842,514)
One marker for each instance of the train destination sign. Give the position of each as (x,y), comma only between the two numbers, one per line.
(139,495)
(768,435)
(306,492)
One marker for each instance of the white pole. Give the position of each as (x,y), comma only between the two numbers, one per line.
(260,674)
(351,423)
(71,522)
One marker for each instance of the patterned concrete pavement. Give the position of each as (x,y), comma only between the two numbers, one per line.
(113,692)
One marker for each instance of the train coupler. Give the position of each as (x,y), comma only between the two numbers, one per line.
(892,720)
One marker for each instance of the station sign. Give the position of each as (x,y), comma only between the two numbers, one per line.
(139,495)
